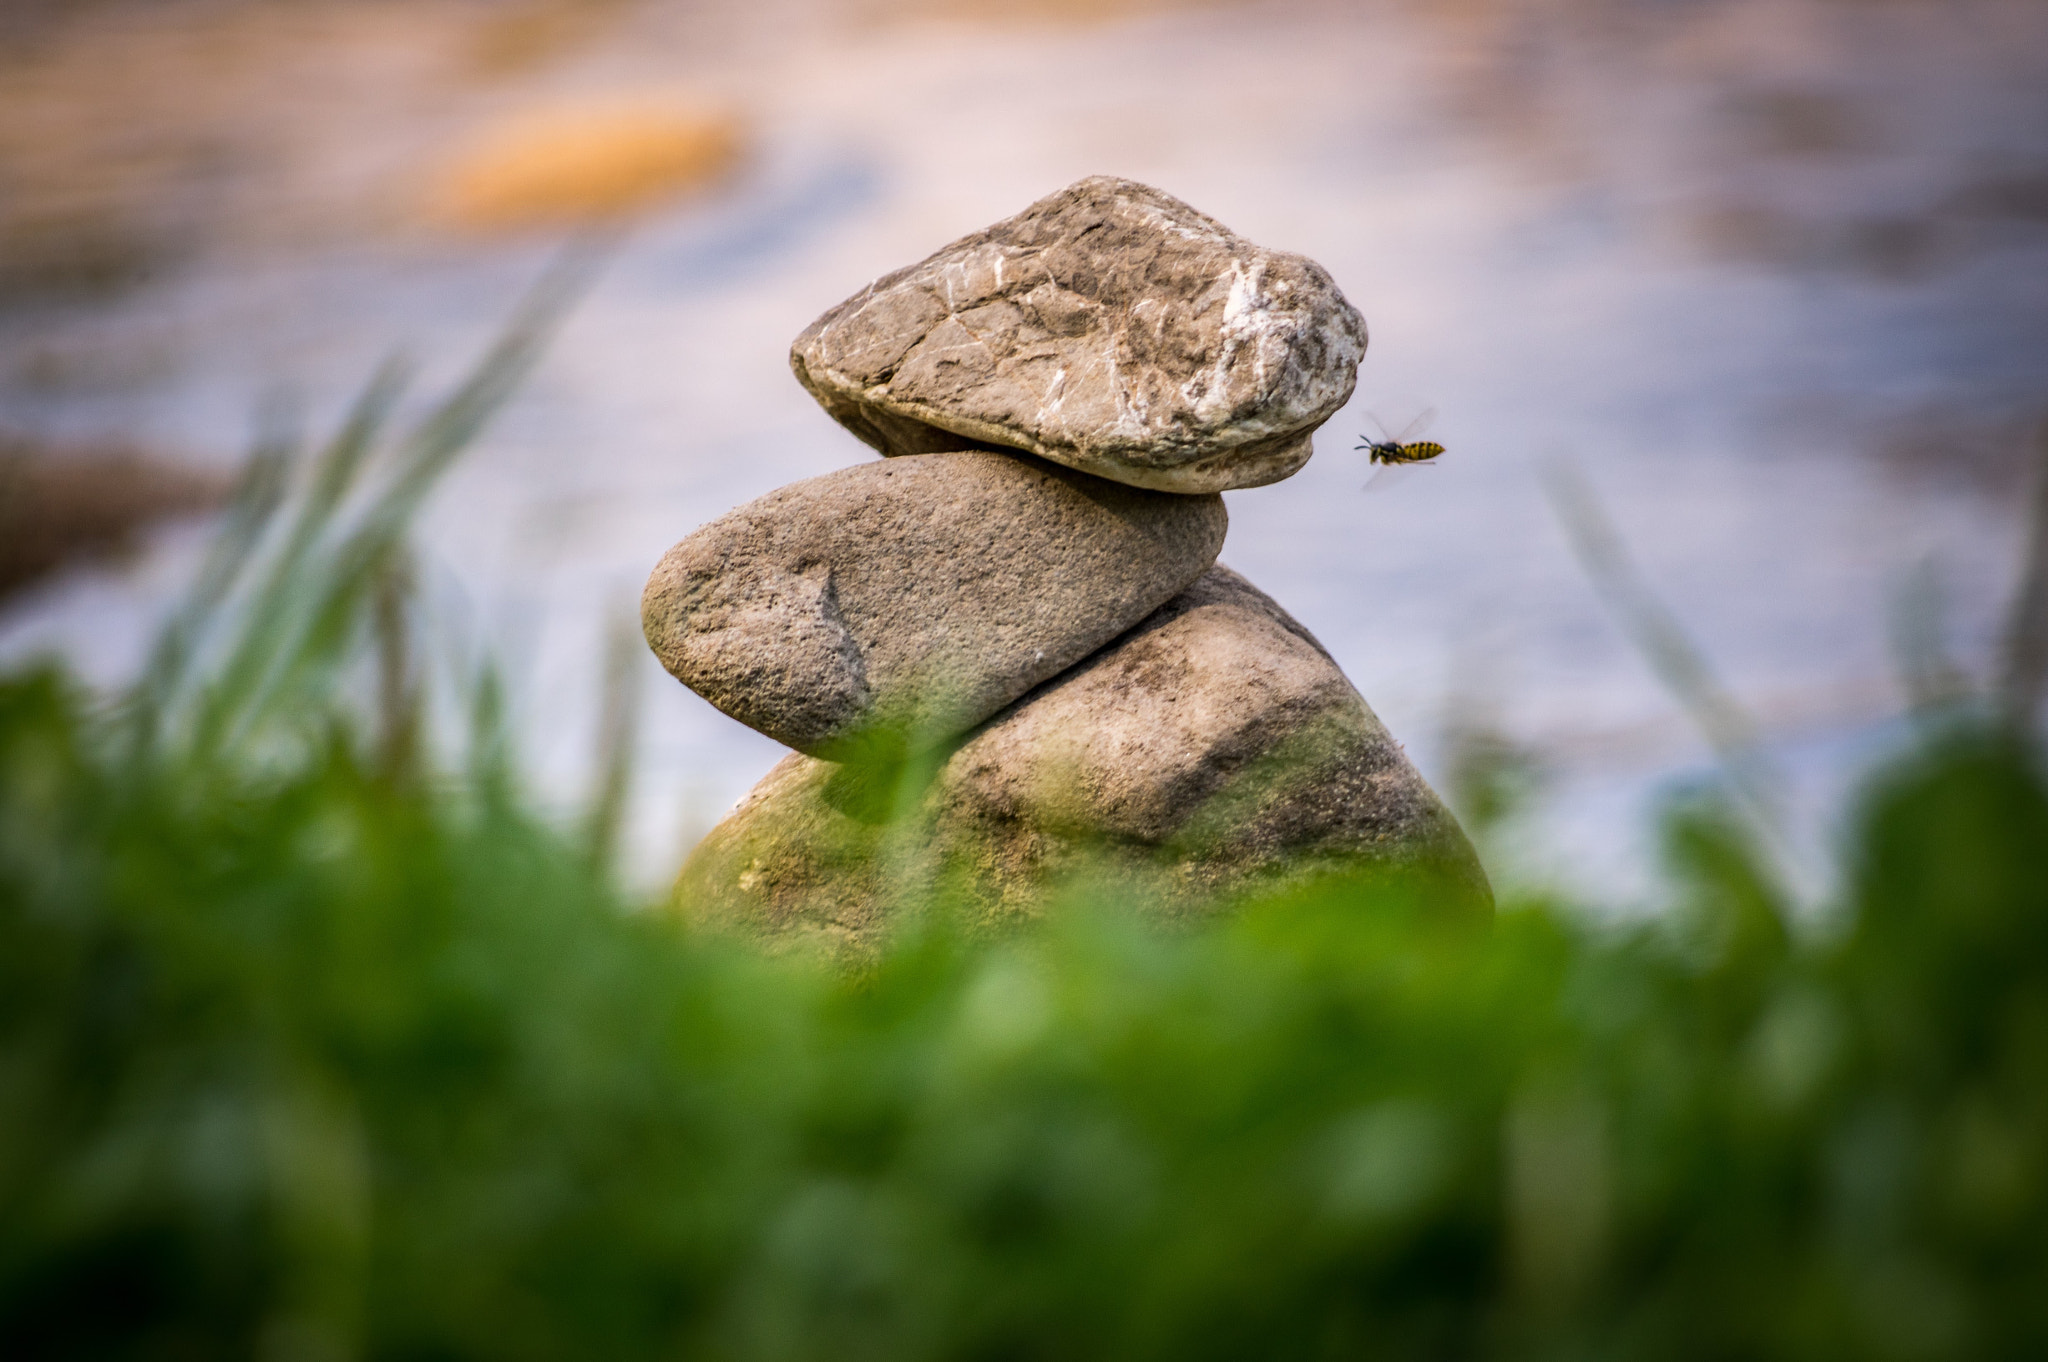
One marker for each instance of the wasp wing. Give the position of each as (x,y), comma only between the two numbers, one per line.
(1416,427)
(1408,433)
(1391,476)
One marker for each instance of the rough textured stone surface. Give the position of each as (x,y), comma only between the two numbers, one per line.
(898,604)
(1213,746)
(1109,327)
(805,858)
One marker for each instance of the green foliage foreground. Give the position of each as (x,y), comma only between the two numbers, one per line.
(320,1063)
(308,1053)
(334,1063)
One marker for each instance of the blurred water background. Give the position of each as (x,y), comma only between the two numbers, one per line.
(1772,274)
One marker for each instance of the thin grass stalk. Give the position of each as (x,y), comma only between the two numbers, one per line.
(400,719)
(617,730)
(316,596)
(1933,682)
(267,640)
(2024,674)
(1674,658)
(489,749)
(259,492)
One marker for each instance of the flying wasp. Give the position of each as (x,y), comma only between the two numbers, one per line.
(1397,453)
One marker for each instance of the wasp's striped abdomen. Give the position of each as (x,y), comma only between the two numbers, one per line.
(1387,451)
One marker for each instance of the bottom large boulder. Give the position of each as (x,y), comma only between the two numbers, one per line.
(1213,749)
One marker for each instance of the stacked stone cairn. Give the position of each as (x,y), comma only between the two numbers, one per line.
(1005,654)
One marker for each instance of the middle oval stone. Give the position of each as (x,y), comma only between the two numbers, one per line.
(892,606)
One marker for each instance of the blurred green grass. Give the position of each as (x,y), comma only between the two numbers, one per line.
(316,1041)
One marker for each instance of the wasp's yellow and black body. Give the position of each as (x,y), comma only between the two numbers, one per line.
(1394,452)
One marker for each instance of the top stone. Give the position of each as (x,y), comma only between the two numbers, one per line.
(1110,328)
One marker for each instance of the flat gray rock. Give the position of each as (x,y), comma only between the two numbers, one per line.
(1213,747)
(895,605)
(1109,327)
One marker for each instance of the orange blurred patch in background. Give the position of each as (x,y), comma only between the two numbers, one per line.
(584,165)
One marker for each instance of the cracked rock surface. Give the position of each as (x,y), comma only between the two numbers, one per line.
(1214,746)
(1108,327)
(897,604)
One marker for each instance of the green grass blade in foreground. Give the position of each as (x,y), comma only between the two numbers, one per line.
(1678,663)
(1936,686)
(270,620)
(315,592)
(2025,670)
(252,510)
(618,726)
